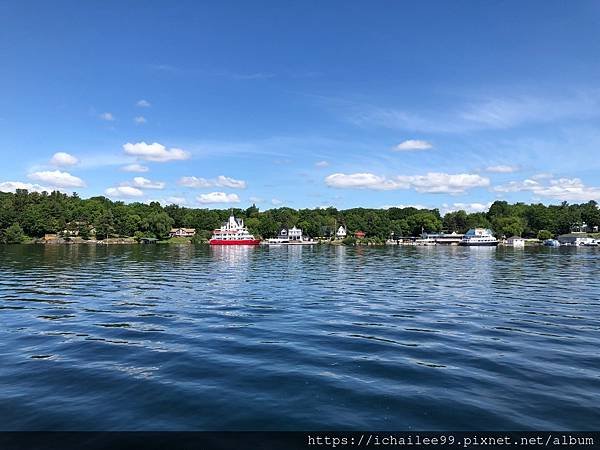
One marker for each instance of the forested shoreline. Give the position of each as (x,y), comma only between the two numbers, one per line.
(26,215)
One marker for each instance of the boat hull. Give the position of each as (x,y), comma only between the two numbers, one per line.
(234,241)
(478,244)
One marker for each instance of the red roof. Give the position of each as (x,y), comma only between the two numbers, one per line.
(359,234)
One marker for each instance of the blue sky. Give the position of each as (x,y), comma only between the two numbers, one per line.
(303,104)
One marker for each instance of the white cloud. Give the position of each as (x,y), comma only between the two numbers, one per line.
(224,181)
(63,159)
(12,186)
(143,103)
(175,201)
(412,145)
(107,116)
(363,181)
(468,207)
(542,176)
(433,182)
(124,191)
(322,164)
(135,168)
(568,189)
(57,178)
(155,152)
(194,182)
(142,182)
(256,199)
(518,186)
(139,120)
(218,197)
(276,202)
(221,181)
(502,169)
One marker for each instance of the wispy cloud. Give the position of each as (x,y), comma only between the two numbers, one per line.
(135,168)
(107,117)
(139,120)
(322,164)
(482,113)
(220,181)
(213,72)
(143,104)
(502,169)
(433,182)
(412,145)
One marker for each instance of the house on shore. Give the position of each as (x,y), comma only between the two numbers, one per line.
(515,241)
(341,232)
(359,234)
(290,234)
(182,232)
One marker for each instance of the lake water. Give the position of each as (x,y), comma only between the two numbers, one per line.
(198,338)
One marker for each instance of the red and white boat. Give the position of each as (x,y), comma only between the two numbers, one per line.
(233,232)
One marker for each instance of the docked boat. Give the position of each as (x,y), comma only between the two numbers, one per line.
(233,232)
(551,243)
(479,237)
(425,240)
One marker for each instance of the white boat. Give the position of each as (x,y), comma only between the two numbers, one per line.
(233,232)
(425,241)
(479,237)
(551,243)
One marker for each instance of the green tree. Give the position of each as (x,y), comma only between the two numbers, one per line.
(544,234)
(14,234)
(508,226)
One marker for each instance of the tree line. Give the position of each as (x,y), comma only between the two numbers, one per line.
(31,214)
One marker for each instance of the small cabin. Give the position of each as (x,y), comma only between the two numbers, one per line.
(515,241)
(341,232)
(182,232)
(359,234)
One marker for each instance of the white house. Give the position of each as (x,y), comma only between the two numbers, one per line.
(290,234)
(182,232)
(515,241)
(340,233)
(295,234)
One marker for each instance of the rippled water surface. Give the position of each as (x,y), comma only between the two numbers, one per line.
(185,337)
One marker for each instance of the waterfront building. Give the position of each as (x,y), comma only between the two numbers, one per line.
(341,232)
(182,232)
(515,241)
(359,234)
(575,239)
(289,235)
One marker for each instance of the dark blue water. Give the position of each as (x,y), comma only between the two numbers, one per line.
(199,338)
